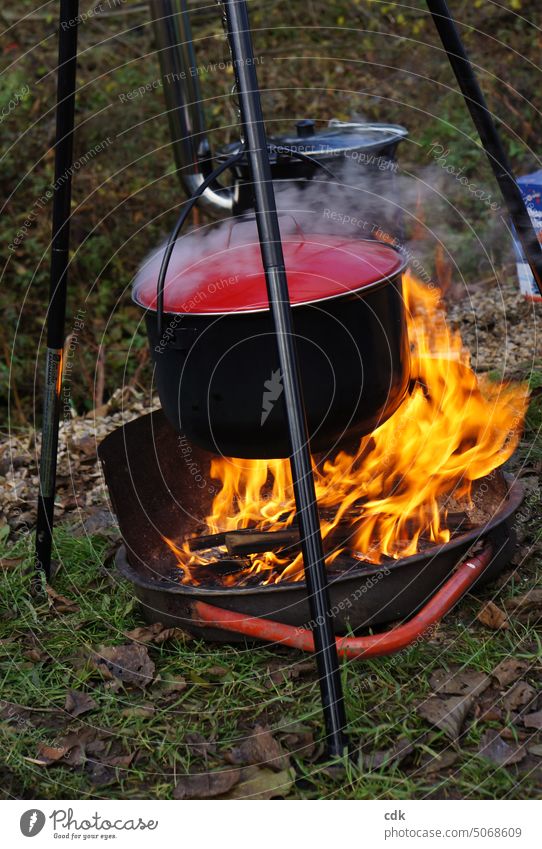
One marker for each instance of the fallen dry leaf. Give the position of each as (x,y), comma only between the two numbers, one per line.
(258,749)
(299,741)
(459,682)
(199,744)
(336,772)
(140,710)
(100,774)
(302,667)
(488,712)
(129,663)
(259,783)
(206,785)
(520,695)
(51,754)
(447,714)
(157,634)
(34,650)
(121,761)
(60,603)
(97,520)
(37,655)
(431,764)
(70,750)
(527,607)
(78,703)
(494,748)
(279,671)
(170,687)
(509,670)
(511,733)
(145,633)
(85,446)
(535,750)
(393,756)
(93,744)
(533,720)
(493,617)
(104,772)
(9,563)
(217,671)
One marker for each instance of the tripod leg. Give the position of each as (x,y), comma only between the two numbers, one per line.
(239,35)
(489,135)
(65,109)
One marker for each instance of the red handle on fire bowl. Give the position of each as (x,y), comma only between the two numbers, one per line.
(373,645)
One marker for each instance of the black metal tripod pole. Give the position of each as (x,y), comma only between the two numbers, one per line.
(65,110)
(239,35)
(489,135)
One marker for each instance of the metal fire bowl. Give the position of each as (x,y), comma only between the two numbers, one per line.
(155,476)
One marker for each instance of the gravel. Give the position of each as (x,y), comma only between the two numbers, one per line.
(81,492)
(502,330)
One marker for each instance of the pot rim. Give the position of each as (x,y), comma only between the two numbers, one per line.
(513,499)
(354,293)
(394,133)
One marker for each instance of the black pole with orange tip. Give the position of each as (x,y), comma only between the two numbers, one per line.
(60,243)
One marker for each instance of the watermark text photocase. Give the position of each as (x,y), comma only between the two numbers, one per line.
(440,155)
(65,824)
(17,98)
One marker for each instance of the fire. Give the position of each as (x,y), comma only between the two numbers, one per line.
(395,490)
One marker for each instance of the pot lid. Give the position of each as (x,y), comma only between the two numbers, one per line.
(338,138)
(222,272)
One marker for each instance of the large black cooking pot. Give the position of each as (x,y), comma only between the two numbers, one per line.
(216,365)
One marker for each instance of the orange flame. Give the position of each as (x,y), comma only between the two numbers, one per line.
(453,428)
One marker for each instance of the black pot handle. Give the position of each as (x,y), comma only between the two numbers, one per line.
(188,208)
(177,229)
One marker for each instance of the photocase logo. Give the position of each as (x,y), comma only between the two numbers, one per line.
(32,822)
(273,389)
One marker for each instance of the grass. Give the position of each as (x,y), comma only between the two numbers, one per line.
(381,696)
(231,689)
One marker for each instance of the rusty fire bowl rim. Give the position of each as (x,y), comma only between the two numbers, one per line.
(514,497)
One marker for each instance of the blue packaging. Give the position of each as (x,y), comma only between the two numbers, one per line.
(531,189)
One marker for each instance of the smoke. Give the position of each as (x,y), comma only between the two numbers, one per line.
(369,197)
